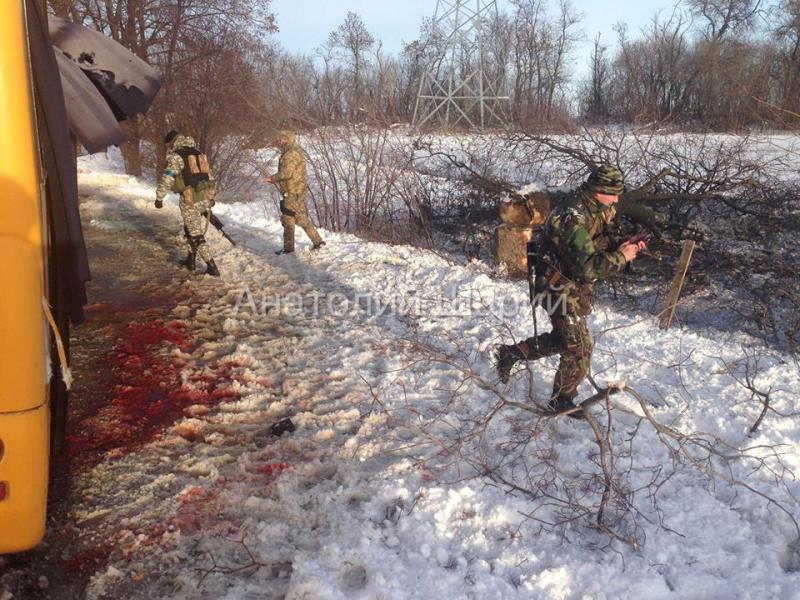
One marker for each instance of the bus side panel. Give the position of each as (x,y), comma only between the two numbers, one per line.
(23,376)
(24,468)
(24,413)
(23,347)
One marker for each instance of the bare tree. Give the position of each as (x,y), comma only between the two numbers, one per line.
(353,39)
(565,38)
(650,72)
(723,17)
(787,35)
(540,58)
(174,36)
(693,65)
(596,90)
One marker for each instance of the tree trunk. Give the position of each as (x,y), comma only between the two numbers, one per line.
(509,248)
(131,150)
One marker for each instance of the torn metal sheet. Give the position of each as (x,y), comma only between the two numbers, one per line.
(90,118)
(127,82)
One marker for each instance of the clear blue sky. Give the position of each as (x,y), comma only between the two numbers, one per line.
(305,24)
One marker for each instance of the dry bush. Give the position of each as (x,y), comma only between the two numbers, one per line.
(722,191)
(363,181)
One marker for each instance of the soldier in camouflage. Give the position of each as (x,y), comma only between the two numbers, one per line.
(195,202)
(292,180)
(581,242)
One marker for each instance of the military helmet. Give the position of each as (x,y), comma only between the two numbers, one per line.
(606,179)
(170,136)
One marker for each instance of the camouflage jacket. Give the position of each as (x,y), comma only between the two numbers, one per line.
(291,175)
(172,179)
(581,237)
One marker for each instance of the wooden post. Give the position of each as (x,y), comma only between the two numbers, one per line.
(668,313)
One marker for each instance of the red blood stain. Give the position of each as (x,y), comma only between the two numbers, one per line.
(273,470)
(147,391)
(91,559)
(198,509)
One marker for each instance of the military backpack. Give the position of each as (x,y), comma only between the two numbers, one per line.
(196,172)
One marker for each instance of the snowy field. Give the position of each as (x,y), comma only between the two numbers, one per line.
(409,475)
(640,152)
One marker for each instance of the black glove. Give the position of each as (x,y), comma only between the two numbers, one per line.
(159,203)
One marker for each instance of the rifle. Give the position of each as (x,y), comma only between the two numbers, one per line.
(214,220)
(532,251)
(647,238)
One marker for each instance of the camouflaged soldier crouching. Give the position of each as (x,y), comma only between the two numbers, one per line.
(580,243)
(293,182)
(195,201)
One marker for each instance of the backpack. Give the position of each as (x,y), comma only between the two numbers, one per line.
(196,169)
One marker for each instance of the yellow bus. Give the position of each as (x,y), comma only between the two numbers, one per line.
(48,101)
(24,336)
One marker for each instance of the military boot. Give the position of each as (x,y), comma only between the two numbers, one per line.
(561,402)
(190,262)
(211,268)
(506,356)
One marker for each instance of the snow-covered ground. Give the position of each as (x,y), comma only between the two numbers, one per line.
(408,476)
(640,152)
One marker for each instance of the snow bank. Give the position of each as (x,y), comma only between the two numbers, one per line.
(393,484)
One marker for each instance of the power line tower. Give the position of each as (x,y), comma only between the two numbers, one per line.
(455,88)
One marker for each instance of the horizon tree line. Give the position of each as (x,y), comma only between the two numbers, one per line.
(709,64)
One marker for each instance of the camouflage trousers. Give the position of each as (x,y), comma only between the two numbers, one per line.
(570,338)
(293,216)
(195,225)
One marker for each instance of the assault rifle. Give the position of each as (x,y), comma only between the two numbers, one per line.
(647,238)
(214,220)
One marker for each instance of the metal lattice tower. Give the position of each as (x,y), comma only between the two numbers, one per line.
(455,89)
